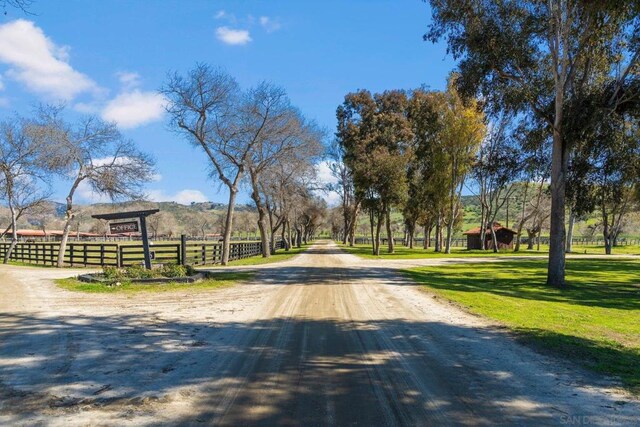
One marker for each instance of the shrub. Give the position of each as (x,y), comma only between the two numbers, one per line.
(112,273)
(139,272)
(174,270)
(190,270)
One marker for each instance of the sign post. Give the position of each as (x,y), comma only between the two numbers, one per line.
(132,227)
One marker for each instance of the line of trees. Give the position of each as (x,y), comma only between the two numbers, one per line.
(544,106)
(570,69)
(415,151)
(254,138)
(410,151)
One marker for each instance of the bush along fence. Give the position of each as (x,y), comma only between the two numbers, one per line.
(113,254)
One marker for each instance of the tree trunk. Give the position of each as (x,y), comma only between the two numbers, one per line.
(447,247)
(378,229)
(63,240)
(353,224)
(298,237)
(228,224)
(412,232)
(289,241)
(427,237)
(272,234)
(389,231)
(530,242)
(494,239)
(372,224)
(14,233)
(262,215)
(438,242)
(559,164)
(606,234)
(483,227)
(572,221)
(516,248)
(68,217)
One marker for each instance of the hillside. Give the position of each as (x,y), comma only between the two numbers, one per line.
(173,218)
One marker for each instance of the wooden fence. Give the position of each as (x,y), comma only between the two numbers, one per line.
(544,240)
(457,242)
(112,254)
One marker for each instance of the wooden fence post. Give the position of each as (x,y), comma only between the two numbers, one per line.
(183,249)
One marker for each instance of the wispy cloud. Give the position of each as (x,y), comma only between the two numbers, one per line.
(269,24)
(38,63)
(184,197)
(87,194)
(128,80)
(232,36)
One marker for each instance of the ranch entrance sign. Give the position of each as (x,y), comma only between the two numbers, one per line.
(124,227)
(132,227)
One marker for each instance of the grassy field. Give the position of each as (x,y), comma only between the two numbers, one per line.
(402,252)
(595,321)
(222,279)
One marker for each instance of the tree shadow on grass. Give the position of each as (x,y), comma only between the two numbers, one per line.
(282,371)
(618,287)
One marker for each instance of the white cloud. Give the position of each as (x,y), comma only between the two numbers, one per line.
(87,195)
(233,37)
(128,80)
(269,24)
(324,176)
(184,197)
(135,108)
(38,63)
(221,14)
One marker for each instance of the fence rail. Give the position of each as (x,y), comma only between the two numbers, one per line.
(544,240)
(457,242)
(113,254)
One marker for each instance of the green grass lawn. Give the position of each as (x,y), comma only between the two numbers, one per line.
(280,255)
(220,280)
(403,252)
(595,321)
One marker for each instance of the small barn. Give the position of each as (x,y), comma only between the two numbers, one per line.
(504,237)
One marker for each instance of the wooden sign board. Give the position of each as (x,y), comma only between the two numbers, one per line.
(124,227)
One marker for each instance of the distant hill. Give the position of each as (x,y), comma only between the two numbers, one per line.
(174,218)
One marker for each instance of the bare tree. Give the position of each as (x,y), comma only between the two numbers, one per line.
(208,107)
(286,138)
(495,171)
(92,152)
(161,223)
(20,174)
(344,188)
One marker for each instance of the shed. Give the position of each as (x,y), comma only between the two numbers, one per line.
(504,237)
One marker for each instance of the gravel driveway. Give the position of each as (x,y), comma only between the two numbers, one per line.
(324,339)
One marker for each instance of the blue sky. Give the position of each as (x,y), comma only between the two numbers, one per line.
(109,58)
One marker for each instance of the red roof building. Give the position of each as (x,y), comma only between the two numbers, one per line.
(504,237)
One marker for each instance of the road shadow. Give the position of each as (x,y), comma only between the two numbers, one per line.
(281,371)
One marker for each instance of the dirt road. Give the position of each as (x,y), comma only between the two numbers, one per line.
(325,339)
